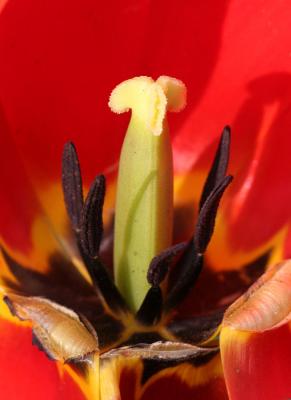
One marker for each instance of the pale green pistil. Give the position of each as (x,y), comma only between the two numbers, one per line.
(144,204)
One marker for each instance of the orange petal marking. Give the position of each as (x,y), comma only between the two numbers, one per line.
(121,379)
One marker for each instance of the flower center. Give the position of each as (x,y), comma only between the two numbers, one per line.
(143,250)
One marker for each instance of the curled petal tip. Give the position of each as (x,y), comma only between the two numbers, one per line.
(58,331)
(266,305)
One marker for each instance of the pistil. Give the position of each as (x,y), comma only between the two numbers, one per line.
(144,206)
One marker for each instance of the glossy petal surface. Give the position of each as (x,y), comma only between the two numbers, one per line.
(257,365)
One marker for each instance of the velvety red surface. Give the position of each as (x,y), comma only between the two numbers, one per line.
(61,59)
(26,373)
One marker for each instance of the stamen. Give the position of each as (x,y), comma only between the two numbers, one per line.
(206,219)
(150,310)
(191,265)
(191,262)
(105,284)
(72,185)
(219,166)
(92,223)
(160,264)
(87,223)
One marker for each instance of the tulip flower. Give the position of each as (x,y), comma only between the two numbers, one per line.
(59,63)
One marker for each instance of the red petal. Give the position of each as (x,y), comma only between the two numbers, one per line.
(229,55)
(26,373)
(257,365)
(24,225)
(67,74)
(68,61)
(249,90)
